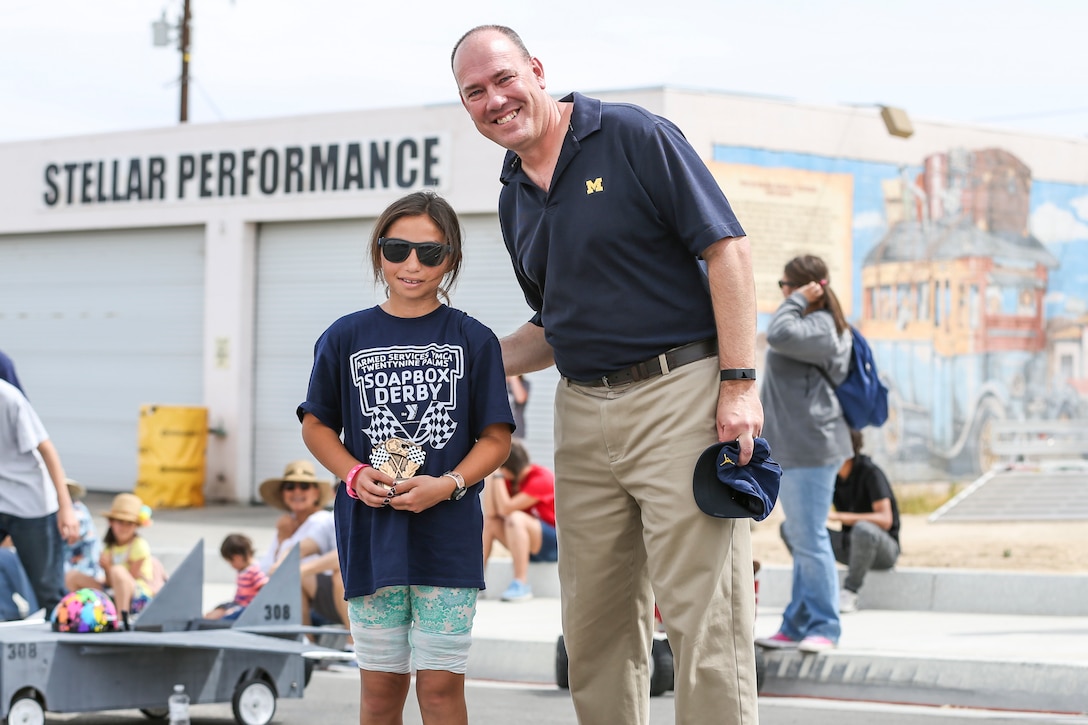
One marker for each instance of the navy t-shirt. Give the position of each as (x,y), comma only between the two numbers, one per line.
(437,381)
(608,257)
(857,492)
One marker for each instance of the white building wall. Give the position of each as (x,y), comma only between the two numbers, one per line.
(467,169)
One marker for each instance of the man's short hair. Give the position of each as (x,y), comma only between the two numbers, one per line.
(508,32)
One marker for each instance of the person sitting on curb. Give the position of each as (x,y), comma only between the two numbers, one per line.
(132,576)
(866,508)
(307,522)
(237,550)
(519,512)
(82,557)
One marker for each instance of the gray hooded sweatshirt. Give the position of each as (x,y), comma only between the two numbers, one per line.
(802,419)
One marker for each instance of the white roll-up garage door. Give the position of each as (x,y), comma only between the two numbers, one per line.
(98,324)
(309,274)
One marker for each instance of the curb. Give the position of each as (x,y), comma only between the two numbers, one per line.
(1045,687)
(952,590)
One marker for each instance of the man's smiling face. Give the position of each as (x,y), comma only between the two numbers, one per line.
(502,90)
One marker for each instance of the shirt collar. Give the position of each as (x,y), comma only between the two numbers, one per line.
(585,119)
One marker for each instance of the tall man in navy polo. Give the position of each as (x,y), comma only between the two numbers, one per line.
(606,211)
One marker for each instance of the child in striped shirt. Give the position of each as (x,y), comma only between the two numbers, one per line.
(237,549)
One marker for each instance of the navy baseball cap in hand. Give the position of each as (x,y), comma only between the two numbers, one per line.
(726,490)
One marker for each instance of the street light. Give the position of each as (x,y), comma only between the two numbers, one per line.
(160,37)
(897,121)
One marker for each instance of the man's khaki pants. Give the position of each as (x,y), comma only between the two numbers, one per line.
(626,520)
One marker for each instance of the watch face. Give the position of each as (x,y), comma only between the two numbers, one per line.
(459,494)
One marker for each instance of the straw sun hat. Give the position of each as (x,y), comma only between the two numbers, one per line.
(295,472)
(75,489)
(129,507)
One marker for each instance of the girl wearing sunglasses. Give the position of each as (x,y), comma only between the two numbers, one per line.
(418,390)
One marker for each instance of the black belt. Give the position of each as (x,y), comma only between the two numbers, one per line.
(663,363)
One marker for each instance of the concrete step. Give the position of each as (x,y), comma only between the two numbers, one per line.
(543,578)
(951,590)
(930,658)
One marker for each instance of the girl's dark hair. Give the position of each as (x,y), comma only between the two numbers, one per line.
(236,545)
(421,203)
(810,268)
(518,458)
(109,539)
(857,440)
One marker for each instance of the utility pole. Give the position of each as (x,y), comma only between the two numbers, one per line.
(161,35)
(185,18)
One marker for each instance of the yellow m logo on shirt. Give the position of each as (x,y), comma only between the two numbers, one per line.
(593,185)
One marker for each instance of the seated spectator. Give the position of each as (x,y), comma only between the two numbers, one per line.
(17,599)
(309,524)
(866,508)
(237,550)
(82,556)
(132,575)
(519,512)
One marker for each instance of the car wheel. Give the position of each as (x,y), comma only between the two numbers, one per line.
(761,669)
(26,710)
(661,675)
(561,676)
(155,713)
(308,672)
(254,703)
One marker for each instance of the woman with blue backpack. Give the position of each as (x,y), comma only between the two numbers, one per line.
(809,344)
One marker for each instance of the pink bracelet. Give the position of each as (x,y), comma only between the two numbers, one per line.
(350,480)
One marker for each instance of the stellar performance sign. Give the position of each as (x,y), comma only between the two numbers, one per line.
(380,164)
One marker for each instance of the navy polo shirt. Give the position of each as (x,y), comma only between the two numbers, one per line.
(608,258)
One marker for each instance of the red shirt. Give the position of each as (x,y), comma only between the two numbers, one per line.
(249,581)
(539,483)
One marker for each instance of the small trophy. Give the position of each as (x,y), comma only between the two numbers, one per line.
(398,458)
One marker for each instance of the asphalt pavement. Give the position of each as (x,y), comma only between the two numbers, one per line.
(945,637)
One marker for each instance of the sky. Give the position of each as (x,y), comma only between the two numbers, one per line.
(73,67)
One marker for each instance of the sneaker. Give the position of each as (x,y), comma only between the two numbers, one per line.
(813,643)
(777,641)
(848,601)
(518,591)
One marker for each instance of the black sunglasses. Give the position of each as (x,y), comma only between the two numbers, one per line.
(430,254)
(783,284)
(300,485)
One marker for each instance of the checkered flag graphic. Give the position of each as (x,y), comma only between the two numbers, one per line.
(436,427)
(417,456)
(383,426)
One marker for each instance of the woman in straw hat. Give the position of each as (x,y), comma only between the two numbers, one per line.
(306,522)
(130,571)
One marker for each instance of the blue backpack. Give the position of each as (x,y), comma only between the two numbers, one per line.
(863,398)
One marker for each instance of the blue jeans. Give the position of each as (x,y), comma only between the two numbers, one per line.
(41,551)
(13,580)
(805,495)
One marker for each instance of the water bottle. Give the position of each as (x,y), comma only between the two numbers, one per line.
(179,706)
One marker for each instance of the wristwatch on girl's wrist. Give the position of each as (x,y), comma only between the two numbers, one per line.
(460,491)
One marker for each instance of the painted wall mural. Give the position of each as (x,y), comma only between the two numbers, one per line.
(968,277)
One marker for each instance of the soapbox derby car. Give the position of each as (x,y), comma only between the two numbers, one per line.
(249,662)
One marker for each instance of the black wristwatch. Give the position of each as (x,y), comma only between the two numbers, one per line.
(461,490)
